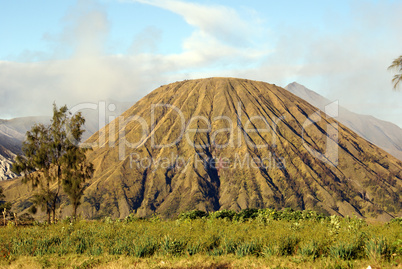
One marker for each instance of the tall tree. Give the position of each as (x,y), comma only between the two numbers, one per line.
(397,66)
(76,169)
(58,145)
(45,157)
(37,158)
(3,204)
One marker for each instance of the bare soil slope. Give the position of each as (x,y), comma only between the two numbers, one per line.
(227,143)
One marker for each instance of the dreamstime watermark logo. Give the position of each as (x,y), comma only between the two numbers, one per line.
(238,129)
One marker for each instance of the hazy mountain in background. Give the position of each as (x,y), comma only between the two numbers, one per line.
(13,131)
(383,134)
(226,143)
(100,114)
(6,162)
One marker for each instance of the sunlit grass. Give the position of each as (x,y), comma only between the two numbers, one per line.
(228,242)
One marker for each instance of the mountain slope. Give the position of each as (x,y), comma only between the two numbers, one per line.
(6,158)
(12,133)
(226,143)
(383,134)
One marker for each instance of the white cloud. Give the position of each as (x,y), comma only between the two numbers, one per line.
(221,36)
(146,41)
(219,22)
(90,74)
(349,65)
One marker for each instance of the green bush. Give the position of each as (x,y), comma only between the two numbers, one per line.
(144,248)
(246,214)
(287,245)
(397,247)
(230,245)
(248,248)
(378,248)
(312,249)
(173,247)
(269,250)
(349,250)
(131,218)
(396,220)
(223,214)
(344,251)
(194,214)
(194,248)
(212,242)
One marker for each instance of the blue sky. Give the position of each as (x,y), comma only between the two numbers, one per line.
(85,51)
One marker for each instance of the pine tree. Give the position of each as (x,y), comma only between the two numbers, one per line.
(52,159)
(76,169)
(4,206)
(37,158)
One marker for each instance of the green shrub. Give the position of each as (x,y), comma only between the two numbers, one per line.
(96,251)
(194,248)
(223,214)
(131,218)
(216,252)
(230,245)
(343,251)
(144,248)
(108,220)
(248,248)
(349,250)
(378,248)
(269,250)
(120,247)
(173,247)
(194,214)
(246,214)
(212,242)
(396,220)
(354,224)
(288,245)
(289,214)
(313,250)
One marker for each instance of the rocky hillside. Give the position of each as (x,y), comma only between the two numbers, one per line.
(226,143)
(12,133)
(6,158)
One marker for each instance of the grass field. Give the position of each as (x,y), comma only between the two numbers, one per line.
(224,239)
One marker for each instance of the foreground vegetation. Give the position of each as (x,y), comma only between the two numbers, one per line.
(252,238)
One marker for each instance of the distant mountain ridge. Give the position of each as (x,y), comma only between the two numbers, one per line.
(385,135)
(13,131)
(5,165)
